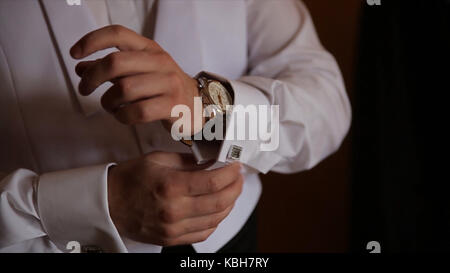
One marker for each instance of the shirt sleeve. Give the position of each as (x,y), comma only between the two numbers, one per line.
(44,213)
(289,68)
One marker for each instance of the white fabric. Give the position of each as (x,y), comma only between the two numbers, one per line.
(56,145)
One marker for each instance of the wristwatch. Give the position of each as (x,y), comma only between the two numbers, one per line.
(217,95)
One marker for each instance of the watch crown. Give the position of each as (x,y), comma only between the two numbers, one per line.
(201,83)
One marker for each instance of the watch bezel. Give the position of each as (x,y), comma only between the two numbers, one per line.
(204,84)
(227,93)
(204,79)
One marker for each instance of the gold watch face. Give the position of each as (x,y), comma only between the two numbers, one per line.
(219,95)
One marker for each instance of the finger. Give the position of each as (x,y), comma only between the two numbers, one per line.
(119,64)
(149,110)
(213,203)
(108,37)
(82,66)
(189,238)
(134,88)
(208,182)
(177,161)
(195,224)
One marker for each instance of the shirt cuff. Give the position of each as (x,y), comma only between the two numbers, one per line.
(247,151)
(250,152)
(73,206)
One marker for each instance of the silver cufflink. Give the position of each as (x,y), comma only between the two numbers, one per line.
(235,152)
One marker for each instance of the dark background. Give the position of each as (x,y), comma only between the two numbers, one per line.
(387,182)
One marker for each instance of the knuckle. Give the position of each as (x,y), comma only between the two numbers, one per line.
(169,215)
(124,86)
(113,61)
(220,204)
(165,189)
(117,30)
(175,81)
(213,184)
(169,231)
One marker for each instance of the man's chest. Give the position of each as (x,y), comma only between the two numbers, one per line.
(39,91)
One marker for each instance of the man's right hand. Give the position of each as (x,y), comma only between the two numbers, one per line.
(163,199)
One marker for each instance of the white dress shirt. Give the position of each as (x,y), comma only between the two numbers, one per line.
(56,146)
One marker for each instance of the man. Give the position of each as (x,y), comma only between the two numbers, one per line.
(73,172)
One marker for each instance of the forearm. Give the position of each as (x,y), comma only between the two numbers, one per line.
(290,69)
